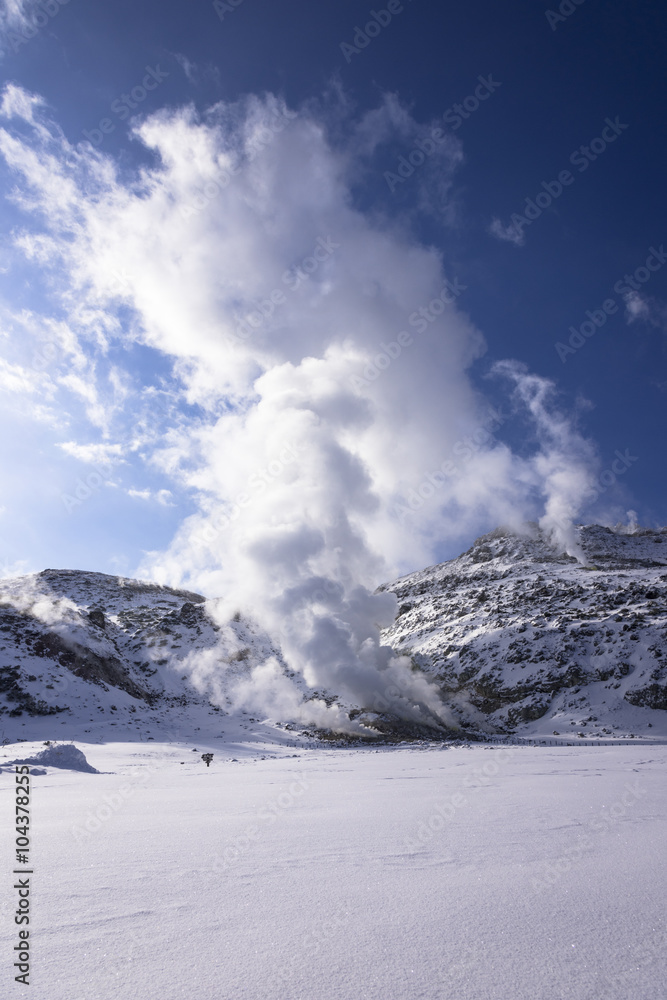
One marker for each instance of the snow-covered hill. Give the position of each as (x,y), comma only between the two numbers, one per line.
(97,649)
(517,636)
(526,638)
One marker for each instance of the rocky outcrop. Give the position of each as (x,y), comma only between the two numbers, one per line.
(514,630)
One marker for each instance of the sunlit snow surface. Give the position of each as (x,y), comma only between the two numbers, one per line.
(339,874)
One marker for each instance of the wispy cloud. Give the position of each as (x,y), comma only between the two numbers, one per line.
(162,497)
(94,454)
(19,21)
(17,14)
(645,308)
(21,380)
(190,68)
(508,234)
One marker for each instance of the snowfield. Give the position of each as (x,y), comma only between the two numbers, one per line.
(296,869)
(285,871)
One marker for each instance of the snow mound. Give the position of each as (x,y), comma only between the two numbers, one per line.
(68,757)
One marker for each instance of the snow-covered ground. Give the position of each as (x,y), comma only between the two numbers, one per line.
(281,871)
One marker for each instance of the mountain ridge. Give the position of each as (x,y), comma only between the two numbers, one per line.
(514,629)
(517,636)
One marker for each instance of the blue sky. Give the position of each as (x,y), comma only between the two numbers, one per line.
(122,411)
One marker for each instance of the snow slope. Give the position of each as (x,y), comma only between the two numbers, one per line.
(523,638)
(85,651)
(466,873)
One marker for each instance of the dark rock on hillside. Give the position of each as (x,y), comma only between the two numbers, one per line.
(514,631)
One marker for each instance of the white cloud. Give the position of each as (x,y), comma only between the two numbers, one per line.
(27,594)
(649,310)
(20,20)
(508,234)
(94,454)
(189,68)
(325,356)
(19,103)
(16,14)
(17,379)
(562,468)
(636,307)
(163,497)
(10,571)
